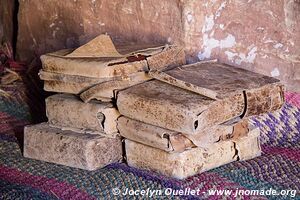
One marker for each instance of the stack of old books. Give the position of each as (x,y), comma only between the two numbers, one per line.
(85,135)
(194,118)
(177,119)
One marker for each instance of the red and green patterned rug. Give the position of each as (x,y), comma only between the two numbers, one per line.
(277,170)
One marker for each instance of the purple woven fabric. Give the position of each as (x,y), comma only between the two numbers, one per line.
(277,168)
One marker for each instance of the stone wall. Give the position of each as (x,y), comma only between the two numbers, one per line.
(259,35)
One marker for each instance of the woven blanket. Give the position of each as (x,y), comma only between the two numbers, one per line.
(274,175)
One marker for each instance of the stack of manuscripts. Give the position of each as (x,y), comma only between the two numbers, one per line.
(177,119)
(82,120)
(194,118)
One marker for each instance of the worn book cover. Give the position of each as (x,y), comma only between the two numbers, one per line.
(65,147)
(172,141)
(170,107)
(194,160)
(68,112)
(101,59)
(221,81)
(194,97)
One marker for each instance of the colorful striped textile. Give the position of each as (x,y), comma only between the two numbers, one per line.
(278,169)
(14,108)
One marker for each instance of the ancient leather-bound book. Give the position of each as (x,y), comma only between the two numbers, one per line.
(110,60)
(100,61)
(68,83)
(90,88)
(73,149)
(175,108)
(68,112)
(174,142)
(194,160)
(221,81)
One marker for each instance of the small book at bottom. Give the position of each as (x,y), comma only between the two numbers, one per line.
(84,151)
(195,160)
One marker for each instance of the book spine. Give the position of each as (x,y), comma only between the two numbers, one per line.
(221,111)
(71,113)
(94,69)
(264,99)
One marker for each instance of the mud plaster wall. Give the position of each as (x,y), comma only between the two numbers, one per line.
(259,35)
(54,24)
(6,20)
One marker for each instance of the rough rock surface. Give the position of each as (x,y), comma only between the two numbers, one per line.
(49,25)
(85,151)
(262,36)
(6,20)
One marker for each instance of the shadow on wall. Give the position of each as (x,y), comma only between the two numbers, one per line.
(49,25)
(8,23)
(262,36)
(68,24)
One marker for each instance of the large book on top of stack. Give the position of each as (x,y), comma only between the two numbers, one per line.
(237,93)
